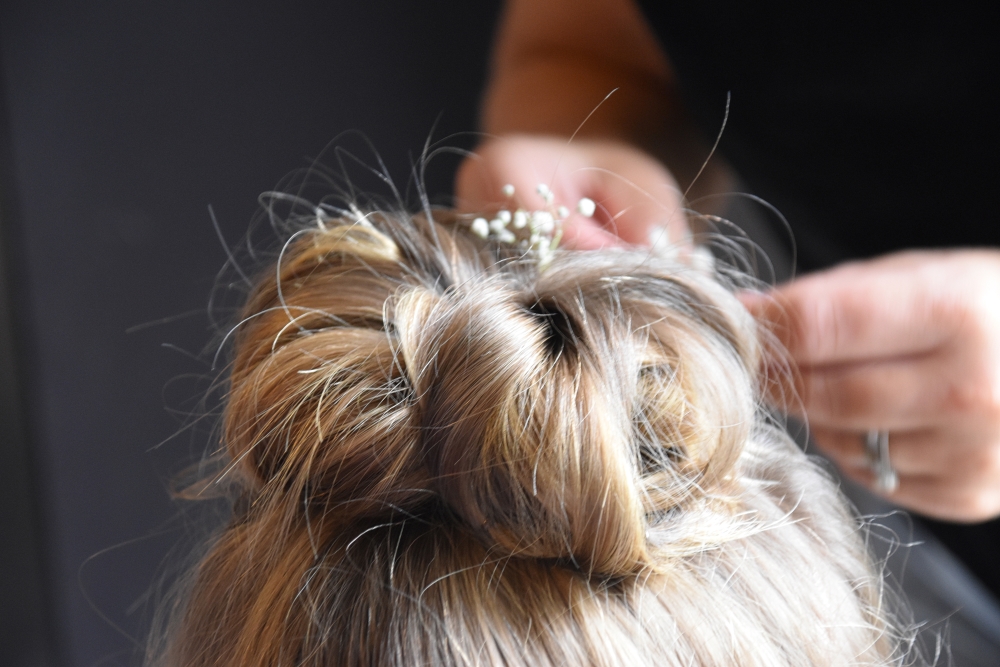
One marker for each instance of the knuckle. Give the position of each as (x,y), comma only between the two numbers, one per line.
(838,396)
(857,396)
(819,396)
(975,396)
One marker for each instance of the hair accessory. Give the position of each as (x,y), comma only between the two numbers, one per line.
(538,231)
(545,192)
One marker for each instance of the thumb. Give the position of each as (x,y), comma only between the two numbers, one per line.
(641,204)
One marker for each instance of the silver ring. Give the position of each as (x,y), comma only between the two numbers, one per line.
(877,452)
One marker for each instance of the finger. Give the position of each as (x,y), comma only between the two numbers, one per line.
(643,207)
(520,161)
(480,184)
(524,162)
(936,497)
(860,311)
(637,200)
(923,452)
(903,394)
(508,173)
(585,234)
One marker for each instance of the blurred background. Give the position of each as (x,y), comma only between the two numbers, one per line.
(120,123)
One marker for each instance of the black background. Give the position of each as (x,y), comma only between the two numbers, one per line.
(120,123)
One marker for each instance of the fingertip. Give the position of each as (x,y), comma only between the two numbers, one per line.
(762,304)
(753,300)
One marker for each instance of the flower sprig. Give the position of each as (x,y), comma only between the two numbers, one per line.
(537,232)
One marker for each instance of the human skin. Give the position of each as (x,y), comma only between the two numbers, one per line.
(908,343)
(550,84)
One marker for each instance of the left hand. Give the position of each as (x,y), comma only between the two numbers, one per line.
(908,343)
(638,201)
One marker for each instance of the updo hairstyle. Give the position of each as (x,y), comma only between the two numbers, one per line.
(442,454)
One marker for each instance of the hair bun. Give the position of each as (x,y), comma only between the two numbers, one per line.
(319,408)
(557,416)
(520,446)
(449,456)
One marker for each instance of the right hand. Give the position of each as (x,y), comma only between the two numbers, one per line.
(638,201)
(908,343)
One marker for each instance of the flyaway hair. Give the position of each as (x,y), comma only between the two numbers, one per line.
(443,455)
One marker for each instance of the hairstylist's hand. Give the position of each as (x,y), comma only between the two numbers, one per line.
(908,343)
(637,199)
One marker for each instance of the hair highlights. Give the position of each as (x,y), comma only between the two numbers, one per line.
(445,456)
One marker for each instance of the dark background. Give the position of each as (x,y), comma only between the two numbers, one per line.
(120,122)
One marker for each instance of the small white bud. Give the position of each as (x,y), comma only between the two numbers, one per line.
(659,240)
(563,212)
(544,250)
(543,222)
(546,192)
(508,190)
(520,218)
(506,236)
(504,215)
(702,259)
(586,207)
(497,225)
(480,228)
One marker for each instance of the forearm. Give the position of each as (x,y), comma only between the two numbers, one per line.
(556,60)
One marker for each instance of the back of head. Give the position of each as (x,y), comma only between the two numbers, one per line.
(448,455)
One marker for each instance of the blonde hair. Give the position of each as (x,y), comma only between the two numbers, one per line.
(444,456)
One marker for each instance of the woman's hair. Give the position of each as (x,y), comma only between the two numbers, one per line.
(444,454)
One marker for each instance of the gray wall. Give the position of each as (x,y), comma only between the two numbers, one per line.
(122,121)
